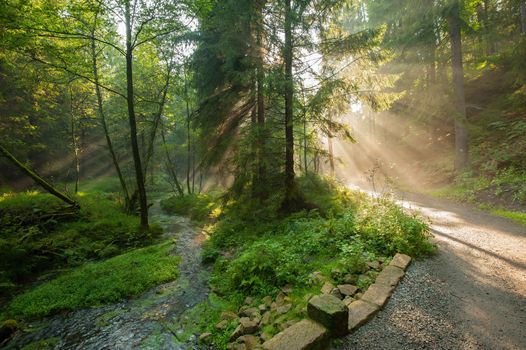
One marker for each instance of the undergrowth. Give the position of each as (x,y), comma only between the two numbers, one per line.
(40,234)
(256,250)
(99,283)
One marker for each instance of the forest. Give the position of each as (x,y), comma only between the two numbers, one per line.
(192,174)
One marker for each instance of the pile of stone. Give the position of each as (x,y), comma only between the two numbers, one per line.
(339,309)
(252,317)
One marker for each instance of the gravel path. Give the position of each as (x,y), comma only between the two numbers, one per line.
(471,295)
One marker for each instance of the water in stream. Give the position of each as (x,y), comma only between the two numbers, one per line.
(146,322)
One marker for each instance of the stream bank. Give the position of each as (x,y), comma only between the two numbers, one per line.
(150,321)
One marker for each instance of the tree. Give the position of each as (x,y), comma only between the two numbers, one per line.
(461,134)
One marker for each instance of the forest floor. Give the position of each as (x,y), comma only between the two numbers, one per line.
(470,295)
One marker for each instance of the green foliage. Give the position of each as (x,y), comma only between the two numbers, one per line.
(197,207)
(262,257)
(513,215)
(99,283)
(39,234)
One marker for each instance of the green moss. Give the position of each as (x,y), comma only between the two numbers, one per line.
(100,283)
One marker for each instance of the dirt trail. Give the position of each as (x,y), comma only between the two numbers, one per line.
(471,295)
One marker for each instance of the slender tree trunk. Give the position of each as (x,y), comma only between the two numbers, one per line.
(156,121)
(331,151)
(461,134)
(523,16)
(39,180)
(74,143)
(188,138)
(289,111)
(170,165)
(306,167)
(104,124)
(260,76)
(143,202)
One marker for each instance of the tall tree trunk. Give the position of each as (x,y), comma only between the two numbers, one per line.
(104,124)
(45,185)
(74,142)
(523,15)
(156,121)
(260,97)
(170,165)
(306,166)
(330,149)
(461,134)
(289,112)
(188,137)
(143,202)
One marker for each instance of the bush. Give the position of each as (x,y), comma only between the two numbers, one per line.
(262,257)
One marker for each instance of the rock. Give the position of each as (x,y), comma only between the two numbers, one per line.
(283,309)
(349,279)
(287,289)
(262,307)
(273,306)
(336,293)
(391,275)
(222,325)
(250,341)
(288,324)
(347,290)
(317,277)
(241,346)
(329,311)
(378,294)
(280,298)
(375,265)
(336,273)
(401,261)
(327,288)
(228,315)
(265,320)
(348,300)
(365,268)
(267,301)
(358,295)
(249,301)
(304,335)
(251,312)
(246,326)
(360,312)
(205,338)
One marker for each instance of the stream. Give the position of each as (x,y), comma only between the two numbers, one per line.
(150,321)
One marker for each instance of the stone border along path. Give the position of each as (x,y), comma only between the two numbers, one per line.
(331,317)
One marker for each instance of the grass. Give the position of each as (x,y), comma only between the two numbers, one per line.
(99,283)
(518,217)
(40,234)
